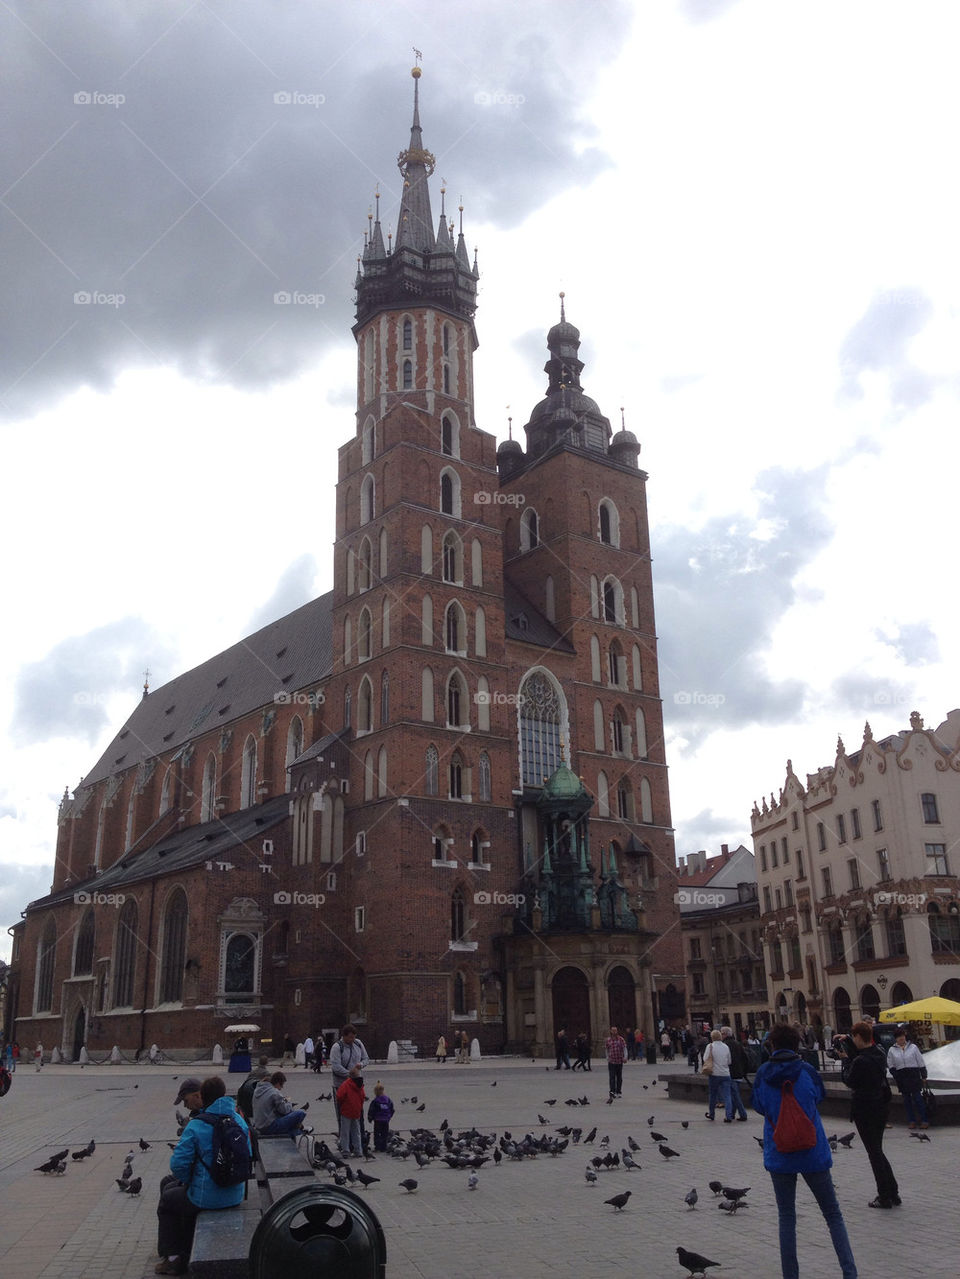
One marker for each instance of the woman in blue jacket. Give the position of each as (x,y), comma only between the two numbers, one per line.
(194,1189)
(812,1165)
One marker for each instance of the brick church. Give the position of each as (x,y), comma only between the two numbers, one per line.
(434,799)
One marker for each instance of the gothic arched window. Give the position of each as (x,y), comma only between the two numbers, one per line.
(431,770)
(542,720)
(125,955)
(174,952)
(83,954)
(46,955)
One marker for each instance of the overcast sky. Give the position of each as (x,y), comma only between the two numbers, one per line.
(752,209)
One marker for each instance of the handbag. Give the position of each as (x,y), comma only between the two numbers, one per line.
(930,1101)
(707,1067)
(795,1130)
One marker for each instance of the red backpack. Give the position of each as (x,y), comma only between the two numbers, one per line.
(795,1130)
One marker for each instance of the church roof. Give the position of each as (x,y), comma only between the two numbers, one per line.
(187,849)
(563,784)
(288,654)
(524,622)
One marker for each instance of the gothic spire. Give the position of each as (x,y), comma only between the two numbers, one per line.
(415,226)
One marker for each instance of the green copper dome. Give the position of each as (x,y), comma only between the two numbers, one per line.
(564,784)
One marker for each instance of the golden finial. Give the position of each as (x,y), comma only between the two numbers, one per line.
(415,71)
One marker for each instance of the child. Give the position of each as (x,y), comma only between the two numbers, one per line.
(350,1099)
(379,1114)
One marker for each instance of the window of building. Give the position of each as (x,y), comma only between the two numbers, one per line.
(248,776)
(936,855)
(455,628)
(821,837)
(450,493)
(365,706)
(883,863)
(774,860)
(624,801)
(446,378)
(46,957)
(208,790)
(456,701)
(459,995)
(407,384)
(617,729)
(806,919)
(877,816)
(458,917)
(174,952)
(776,957)
(529,530)
(407,335)
(778,898)
(609,523)
(767,904)
(827,881)
(359,918)
(783,852)
(864,936)
(83,953)
(612,601)
(694,947)
(763,857)
(616,665)
(841,829)
(853,866)
(384,699)
(928,803)
(364,629)
(838,953)
(347,707)
(367,499)
(646,802)
(788,892)
(484,786)
(542,720)
(855,822)
(795,821)
(431,770)
(452,558)
(796,959)
(896,937)
(799,857)
(944,931)
(125,955)
(698,983)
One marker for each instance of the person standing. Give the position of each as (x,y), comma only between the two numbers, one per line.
(813,1165)
(905,1063)
(351,1096)
(442,1049)
(563,1051)
(665,1044)
(738,1071)
(718,1054)
(582,1046)
(346,1053)
(630,1042)
(379,1113)
(864,1071)
(308,1053)
(616,1055)
(463,1056)
(289,1048)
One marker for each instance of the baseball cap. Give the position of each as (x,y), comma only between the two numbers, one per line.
(188,1085)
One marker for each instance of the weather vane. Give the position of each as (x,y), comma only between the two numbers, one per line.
(418,55)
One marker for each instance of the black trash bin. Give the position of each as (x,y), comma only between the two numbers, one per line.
(651,1054)
(319,1232)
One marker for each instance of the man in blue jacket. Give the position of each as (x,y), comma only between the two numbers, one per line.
(785,1064)
(194,1189)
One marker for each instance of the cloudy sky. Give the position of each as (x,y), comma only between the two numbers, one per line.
(751,208)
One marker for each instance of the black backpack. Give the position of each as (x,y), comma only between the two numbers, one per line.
(231,1164)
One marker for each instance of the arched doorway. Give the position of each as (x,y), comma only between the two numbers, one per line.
(79,1031)
(841,1010)
(571,1002)
(870,1002)
(901,993)
(801,1008)
(951,989)
(622,998)
(783,1012)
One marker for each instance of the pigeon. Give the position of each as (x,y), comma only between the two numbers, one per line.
(658,1136)
(716,1187)
(350,1175)
(144,1145)
(60,1156)
(409,1185)
(591,1176)
(668,1153)
(364,1178)
(693,1263)
(588,1139)
(551,1102)
(619,1201)
(422,1107)
(634,1146)
(652,1120)
(445,1125)
(920,1136)
(134,1187)
(759,1141)
(494,1084)
(497,1157)
(473,1181)
(52,1165)
(691,1199)
(732,1205)
(630,1162)
(126,1174)
(576,1135)
(584,1101)
(414,1100)
(339,1178)
(305,1106)
(541,1119)
(605,1142)
(685,1123)
(847,1140)
(730,1193)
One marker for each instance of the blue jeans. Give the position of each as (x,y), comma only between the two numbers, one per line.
(284,1125)
(350,1142)
(720,1091)
(738,1105)
(821,1184)
(915,1108)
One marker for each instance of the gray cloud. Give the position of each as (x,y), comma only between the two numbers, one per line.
(198,196)
(65,694)
(295,587)
(875,696)
(915,643)
(879,341)
(720,592)
(708,830)
(19,884)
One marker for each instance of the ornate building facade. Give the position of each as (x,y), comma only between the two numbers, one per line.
(435,798)
(857,871)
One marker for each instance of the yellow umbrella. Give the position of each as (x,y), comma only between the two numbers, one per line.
(945,1012)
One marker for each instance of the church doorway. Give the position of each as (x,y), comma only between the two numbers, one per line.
(571,1003)
(622,998)
(79,1031)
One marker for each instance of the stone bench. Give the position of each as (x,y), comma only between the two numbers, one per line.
(221,1241)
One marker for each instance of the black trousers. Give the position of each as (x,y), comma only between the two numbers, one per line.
(615,1069)
(871,1128)
(176,1220)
